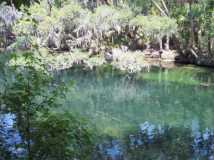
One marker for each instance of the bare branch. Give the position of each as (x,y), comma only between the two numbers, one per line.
(164,5)
(159,8)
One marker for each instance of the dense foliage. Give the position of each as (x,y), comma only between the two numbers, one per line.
(28,92)
(194,19)
(29,95)
(63,25)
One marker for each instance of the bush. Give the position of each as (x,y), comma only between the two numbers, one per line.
(61,136)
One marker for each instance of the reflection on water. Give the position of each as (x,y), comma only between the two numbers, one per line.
(117,103)
(9,136)
(157,115)
(173,107)
(161,142)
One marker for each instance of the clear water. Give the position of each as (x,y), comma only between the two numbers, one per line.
(119,105)
(161,114)
(116,102)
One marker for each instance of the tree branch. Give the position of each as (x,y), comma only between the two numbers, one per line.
(159,8)
(165,7)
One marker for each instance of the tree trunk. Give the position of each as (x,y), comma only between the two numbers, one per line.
(191,29)
(49,7)
(28,137)
(11,3)
(160,43)
(147,45)
(209,45)
(167,42)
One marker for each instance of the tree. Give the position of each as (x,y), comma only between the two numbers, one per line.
(154,28)
(29,93)
(8,16)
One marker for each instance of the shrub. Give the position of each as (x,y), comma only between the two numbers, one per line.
(61,136)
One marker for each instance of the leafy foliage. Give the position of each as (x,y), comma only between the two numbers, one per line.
(45,29)
(154,26)
(29,93)
(105,24)
(61,136)
(72,26)
(8,16)
(194,19)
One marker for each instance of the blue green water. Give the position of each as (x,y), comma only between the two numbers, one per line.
(117,103)
(161,114)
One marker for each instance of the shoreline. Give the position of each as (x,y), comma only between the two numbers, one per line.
(129,61)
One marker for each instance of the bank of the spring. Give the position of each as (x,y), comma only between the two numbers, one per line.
(127,61)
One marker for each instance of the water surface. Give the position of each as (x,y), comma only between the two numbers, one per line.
(178,102)
(116,102)
(161,114)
